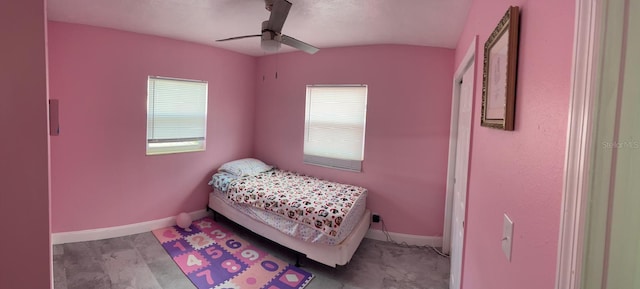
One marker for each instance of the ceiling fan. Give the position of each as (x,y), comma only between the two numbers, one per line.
(272,37)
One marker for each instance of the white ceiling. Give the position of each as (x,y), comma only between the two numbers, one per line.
(322,23)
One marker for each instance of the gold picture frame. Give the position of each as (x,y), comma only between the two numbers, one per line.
(499,73)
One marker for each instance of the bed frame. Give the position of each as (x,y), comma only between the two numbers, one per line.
(329,255)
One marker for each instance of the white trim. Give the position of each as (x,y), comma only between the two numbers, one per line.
(586,51)
(333,163)
(118,231)
(468,59)
(413,240)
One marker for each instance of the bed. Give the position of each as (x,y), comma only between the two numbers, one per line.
(325,221)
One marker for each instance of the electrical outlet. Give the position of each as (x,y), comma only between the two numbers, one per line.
(507,237)
(375,218)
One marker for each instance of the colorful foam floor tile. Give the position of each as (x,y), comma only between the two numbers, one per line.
(211,256)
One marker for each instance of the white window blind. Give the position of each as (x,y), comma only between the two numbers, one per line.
(176,115)
(335,125)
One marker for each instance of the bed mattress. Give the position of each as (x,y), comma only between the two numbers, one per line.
(296,229)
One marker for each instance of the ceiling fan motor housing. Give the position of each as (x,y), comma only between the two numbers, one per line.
(270,40)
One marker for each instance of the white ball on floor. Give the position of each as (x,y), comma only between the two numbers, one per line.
(183,220)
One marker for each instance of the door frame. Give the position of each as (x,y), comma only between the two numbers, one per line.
(468,60)
(586,54)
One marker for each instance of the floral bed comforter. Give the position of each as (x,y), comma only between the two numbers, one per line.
(308,200)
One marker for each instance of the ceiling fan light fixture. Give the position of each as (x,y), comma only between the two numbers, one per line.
(270,45)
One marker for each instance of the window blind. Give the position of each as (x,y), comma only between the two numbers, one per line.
(176,115)
(335,126)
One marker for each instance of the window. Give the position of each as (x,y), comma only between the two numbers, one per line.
(334,126)
(176,115)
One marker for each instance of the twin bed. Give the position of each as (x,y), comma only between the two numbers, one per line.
(326,221)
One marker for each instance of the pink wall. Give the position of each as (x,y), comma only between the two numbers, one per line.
(101,176)
(24,149)
(407,134)
(521,172)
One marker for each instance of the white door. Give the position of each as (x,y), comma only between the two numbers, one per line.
(460,183)
(600,240)
(612,238)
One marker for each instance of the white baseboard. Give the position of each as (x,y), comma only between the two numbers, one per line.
(406,238)
(119,231)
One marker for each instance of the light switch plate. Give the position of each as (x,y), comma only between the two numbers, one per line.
(507,237)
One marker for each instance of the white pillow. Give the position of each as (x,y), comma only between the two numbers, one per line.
(245,167)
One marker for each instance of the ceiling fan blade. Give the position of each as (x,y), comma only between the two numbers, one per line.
(279,14)
(295,43)
(239,37)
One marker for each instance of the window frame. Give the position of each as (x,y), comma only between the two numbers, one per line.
(178,145)
(333,162)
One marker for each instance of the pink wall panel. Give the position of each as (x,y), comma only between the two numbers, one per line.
(24,150)
(407,133)
(521,172)
(101,176)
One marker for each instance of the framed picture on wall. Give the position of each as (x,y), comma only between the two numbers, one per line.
(499,73)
